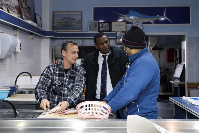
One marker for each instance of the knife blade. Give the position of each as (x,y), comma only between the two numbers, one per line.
(46,111)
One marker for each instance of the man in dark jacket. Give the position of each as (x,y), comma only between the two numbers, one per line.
(116,66)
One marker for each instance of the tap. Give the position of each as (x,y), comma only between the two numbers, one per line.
(13,106)
(19,75)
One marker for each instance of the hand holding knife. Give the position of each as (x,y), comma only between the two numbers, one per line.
(60,107)
(45,104)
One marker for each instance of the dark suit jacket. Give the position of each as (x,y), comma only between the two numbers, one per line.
(117,62)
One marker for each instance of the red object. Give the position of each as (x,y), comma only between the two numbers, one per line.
(170,55)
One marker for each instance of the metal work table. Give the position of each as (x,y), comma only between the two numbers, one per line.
(184,109)
(85,126)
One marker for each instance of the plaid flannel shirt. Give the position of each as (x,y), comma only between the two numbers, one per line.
(57,86)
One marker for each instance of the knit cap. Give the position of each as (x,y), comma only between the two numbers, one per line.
(134,38)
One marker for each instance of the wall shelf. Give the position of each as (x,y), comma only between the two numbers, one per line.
(12,21)
(82,35)
(15,22)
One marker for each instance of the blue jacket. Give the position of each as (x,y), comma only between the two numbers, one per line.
(137,91)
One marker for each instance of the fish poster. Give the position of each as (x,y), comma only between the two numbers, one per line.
(146,15)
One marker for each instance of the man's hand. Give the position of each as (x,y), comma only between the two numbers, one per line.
(63,106)
(104,102)
(44,104)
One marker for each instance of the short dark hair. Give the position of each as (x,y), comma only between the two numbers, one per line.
(65,44)
(100,34)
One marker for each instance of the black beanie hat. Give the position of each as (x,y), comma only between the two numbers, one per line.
(134,38)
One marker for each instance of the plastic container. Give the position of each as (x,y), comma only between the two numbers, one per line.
(3,94)
(93,110)
(12,90)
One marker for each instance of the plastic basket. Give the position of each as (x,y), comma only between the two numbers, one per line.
(93,110)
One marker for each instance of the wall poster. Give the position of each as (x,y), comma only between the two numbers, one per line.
(144,14)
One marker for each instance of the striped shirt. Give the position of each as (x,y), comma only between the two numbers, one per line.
(57,86)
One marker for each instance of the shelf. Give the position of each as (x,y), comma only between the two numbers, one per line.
(82,35)
(15,22)
(10,20)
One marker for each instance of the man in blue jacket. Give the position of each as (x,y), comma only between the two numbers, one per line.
(136,93)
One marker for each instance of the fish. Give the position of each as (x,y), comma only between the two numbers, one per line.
(69,111)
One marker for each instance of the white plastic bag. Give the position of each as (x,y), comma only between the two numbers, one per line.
(138,124)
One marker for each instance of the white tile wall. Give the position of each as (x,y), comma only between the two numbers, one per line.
(27,80)
(29,59)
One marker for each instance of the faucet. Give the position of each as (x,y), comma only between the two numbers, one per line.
(19,75)
(13,106)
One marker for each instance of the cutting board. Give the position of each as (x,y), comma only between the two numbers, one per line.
(22,97)
(56,115)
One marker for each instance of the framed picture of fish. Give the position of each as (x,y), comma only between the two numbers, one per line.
(67,21)
(159,15)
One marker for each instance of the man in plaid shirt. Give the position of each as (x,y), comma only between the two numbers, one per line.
(62,84)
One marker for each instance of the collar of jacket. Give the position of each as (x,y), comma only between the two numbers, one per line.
(136,55)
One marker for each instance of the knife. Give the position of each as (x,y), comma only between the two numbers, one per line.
(45,112)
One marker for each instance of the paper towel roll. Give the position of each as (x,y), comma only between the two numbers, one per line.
(8,45)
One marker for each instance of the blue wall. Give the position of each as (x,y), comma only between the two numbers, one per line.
(86,7)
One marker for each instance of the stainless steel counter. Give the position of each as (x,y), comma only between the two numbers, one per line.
(86,126)
(27,121)
(21,113)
